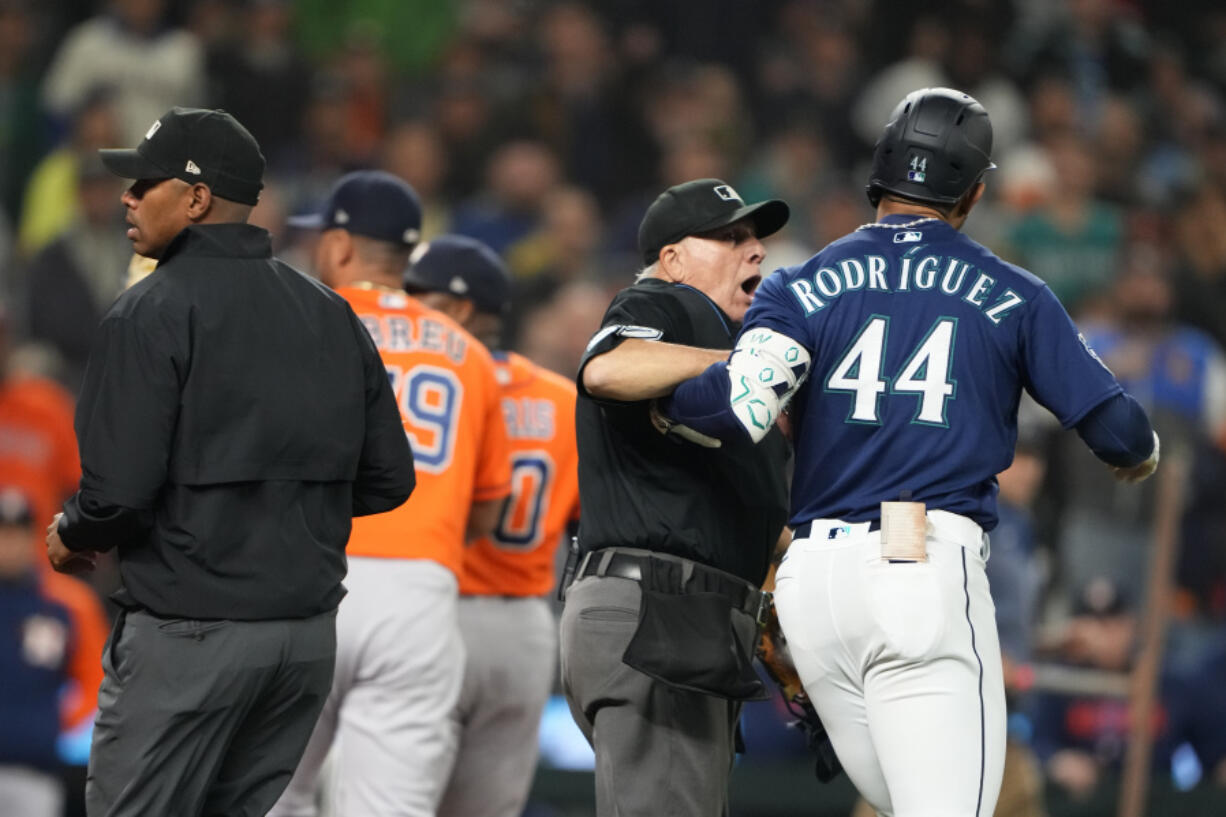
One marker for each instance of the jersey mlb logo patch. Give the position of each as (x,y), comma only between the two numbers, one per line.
(909,237)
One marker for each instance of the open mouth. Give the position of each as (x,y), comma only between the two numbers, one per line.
(750,284)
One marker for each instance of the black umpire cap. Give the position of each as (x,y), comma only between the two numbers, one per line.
(371,203)
(195,145)
(463,267)
(698,207)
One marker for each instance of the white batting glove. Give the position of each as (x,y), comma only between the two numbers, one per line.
(1141,471)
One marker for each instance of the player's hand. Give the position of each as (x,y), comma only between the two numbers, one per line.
(61,558)
(1140,471)
(666,426)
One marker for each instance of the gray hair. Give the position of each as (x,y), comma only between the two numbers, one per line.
(648,271)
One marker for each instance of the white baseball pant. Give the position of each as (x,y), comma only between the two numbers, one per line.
(902,663)
(399,667)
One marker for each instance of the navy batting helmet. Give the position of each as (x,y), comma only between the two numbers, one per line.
(936,147)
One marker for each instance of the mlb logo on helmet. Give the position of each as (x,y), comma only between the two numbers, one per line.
(919,169)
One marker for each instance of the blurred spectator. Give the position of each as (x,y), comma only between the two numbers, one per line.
(556,333)
(463,107)
(1178,374)
(944,53)
(1119,144)
(52,629)
(38,449)
(321,152)
(519,178)
(1181,112)
(361,66)
(74,279)
(51,203)
(149,66)
(1014,569)
(261,78)
(1200,271)
(795,166)
(421,28)
(22,140)
(1073,240)
(583,108)
(1016,574)
(1078,736)
(414,151)
(1099,45)
(812,63)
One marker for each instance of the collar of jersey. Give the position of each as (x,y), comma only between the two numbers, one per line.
(722,317)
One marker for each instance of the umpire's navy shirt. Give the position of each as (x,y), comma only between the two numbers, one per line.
(234,416)
(722,507)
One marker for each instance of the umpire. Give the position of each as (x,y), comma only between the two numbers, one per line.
(660,625)
(234,416)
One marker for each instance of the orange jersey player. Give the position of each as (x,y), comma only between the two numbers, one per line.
(448,394)
(400,656)
(38,449)
(508,627)
(517,559)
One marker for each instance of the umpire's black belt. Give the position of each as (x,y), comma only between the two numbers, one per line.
(629,563)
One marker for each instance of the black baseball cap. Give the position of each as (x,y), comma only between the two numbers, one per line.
(195,145)
(463,267)
(15,508)
(372,203)
(698,207)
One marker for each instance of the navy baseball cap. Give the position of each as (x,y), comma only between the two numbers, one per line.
(370,203)
(195,145)
(464,267)
(701,206)
(15,508)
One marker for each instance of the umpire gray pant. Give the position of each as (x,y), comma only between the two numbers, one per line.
(205,717)
(659,749)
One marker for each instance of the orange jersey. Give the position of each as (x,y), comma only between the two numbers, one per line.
(89,631)
(38,448)
(444,381)
(539,409)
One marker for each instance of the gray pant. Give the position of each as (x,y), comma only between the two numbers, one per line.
(30,793)
(205,717)
(512,648)
(659,749)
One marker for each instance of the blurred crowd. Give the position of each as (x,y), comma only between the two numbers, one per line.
(545,128)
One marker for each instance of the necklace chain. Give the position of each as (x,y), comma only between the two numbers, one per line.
(904,226)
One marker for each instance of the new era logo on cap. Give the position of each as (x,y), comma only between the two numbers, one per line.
(192,168)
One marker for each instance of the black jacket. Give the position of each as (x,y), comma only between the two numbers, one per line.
(234,416)
(724,507)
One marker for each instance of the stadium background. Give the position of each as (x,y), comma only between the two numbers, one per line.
(545,128)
